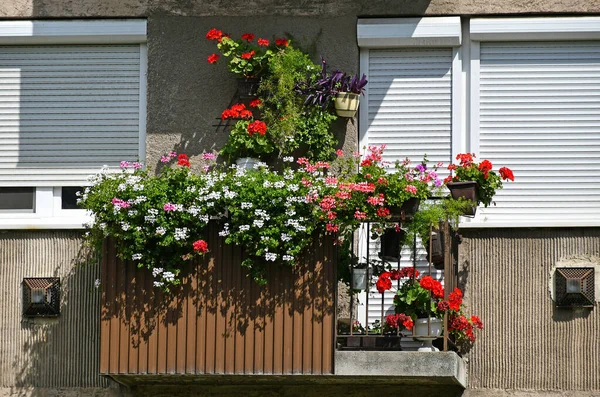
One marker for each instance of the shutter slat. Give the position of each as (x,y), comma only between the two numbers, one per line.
(540,116)
(65,111)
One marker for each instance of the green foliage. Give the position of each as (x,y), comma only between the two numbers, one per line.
(293,124)
(415,301)
(253,66)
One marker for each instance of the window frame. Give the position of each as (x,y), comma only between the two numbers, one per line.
(48,212)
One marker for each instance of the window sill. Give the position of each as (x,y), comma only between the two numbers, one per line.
(31,223)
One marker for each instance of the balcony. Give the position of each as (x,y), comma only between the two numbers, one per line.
(218,325)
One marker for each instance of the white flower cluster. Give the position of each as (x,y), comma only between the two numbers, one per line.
(295,223)
(246,206)
(259,223)
(285,237)
(140,199)
(150,218)
(244,228)
(156,271)
(279,184)
(288,159)
(225,232)
(132,213)
(181,233)
(136,257)
(168,277)
(287,258)
(269,256)
(262,213)
(125,226)
(160,230)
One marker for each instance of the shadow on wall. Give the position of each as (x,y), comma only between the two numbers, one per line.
(60,352)
(216,302)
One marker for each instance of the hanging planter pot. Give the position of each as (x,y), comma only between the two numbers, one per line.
(466,190)
(346,104)
(359,279)
(407,210)
(391,245)
(435,249)
(247,163)
(247,87)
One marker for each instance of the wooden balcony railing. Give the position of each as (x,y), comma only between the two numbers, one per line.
(219,321)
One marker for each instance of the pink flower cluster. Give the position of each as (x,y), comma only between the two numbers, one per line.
(168,157)
(120,203)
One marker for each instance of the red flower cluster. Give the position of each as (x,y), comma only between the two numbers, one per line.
(263,42)
(383,212)
(394,321)
(455,299)
(214,34)
(257,126)
(506,173)
(485,166)
(200,246)
(461,324)
(237,111)
(465,159)
(248,37)
(384,282)
(212,58)
(434,286)
(282,42)
(248,55)
(183,160)
(255,103)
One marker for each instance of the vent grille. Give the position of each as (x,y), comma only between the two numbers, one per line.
(41,297)
(574,287)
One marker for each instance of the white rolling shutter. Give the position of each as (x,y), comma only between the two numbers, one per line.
(410,103)
(65,111)
(540,116)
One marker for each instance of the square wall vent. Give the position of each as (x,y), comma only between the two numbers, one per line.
(41,297)
(574,286)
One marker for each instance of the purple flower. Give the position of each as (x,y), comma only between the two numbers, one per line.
(433,174)
(421,167)
(208,156)
(169,207)
(438,182)
(206,168)
(125,164)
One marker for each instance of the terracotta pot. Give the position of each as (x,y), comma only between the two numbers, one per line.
(248,87)
(466,190)
(346,104)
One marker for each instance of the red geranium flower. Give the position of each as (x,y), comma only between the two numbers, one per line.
(257,126)
(246,114)
(248,37)
(485,166)
(214,34)
(212,58)
(383,212)
(263,42)
(455,300)
(282,42)
(506,173)
(248,55)
(452,167)
(238,107)
(255,103)
(200,246)
(183,160)
(477,322)
(384,283)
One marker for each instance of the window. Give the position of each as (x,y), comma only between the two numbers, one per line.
(72,99)
(529,100)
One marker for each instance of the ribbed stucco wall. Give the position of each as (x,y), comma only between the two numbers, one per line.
(48,353)
(527,342)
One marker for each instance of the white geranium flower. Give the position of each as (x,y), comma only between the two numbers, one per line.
(161,230)
(136,257)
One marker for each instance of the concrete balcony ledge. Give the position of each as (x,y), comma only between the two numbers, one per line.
(426,368)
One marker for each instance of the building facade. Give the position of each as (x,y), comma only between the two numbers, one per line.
(88,83)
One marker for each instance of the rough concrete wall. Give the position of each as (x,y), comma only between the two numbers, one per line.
(186,95)
(328,8)
(55,352)
(528,343)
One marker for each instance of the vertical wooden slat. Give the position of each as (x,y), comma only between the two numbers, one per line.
(203,280)
(329,299)
(288,320)
(212,308)
(152,324)
(191,317)
(240,310)
(115,322)
(161,330)
(221,302)
(141,293)
(278,326)
(307,307)
(170,314)
(106,291)
(317,314)
(229,292)
(133,318)
(268,298)
(124,316)
(249,287)
(298,324)
(182,324)
(259,325)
